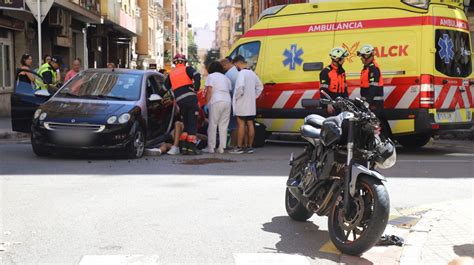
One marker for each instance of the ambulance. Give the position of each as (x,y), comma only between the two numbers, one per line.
(423,48)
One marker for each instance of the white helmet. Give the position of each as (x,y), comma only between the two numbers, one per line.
(365,50)
(338,53)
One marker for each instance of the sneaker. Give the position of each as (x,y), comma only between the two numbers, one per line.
(220,150)
(208,150)
(237,151)
(249,150)
(173,151)
(153,152)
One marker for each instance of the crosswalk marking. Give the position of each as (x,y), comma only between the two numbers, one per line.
(269,259)
(119,260)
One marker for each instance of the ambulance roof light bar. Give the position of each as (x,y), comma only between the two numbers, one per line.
(417,3)
(271,11)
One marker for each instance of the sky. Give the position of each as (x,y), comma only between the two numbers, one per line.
(202,12)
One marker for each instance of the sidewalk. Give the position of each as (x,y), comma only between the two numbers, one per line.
(444,232)
(6,130)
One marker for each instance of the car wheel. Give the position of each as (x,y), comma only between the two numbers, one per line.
(39,150)
(136,147)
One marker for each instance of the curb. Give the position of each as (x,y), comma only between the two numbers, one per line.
(13,135)
(417,247)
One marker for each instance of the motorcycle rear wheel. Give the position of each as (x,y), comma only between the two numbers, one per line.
(366,224)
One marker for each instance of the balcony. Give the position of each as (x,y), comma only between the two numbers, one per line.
(167,14)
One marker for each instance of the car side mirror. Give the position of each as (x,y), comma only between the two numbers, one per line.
(155,97)
(42,93)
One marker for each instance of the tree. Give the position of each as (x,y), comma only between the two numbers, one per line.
(193,58)
(212,55)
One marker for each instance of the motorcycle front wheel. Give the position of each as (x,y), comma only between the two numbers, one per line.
(296,209)
(367,219)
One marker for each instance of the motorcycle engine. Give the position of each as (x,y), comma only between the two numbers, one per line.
(309,177)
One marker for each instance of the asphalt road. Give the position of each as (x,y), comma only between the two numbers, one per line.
(174,209)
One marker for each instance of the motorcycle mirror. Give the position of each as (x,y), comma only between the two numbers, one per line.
(325,94)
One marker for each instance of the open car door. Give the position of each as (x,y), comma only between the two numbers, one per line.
(24,103)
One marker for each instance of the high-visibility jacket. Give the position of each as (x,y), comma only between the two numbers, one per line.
(333,81)
(371,83)
(179,77)
(43,69)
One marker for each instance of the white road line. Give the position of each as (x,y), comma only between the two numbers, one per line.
(434,161)
(269,259)
(460,154)
(119,260)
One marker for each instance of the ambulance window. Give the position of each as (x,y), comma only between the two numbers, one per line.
(453,53)
(250,52)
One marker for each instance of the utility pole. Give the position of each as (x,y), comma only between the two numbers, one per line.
(39,34)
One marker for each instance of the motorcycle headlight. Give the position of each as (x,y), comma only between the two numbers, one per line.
(37,114)
(387,155)
(111,119)
(124,118)
(42,116)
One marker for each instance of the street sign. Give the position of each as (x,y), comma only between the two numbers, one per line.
(45,7)
(12,4)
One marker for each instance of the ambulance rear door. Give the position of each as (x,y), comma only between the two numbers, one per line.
(453,94)
(297,50)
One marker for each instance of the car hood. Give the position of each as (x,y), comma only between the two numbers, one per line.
(86,108)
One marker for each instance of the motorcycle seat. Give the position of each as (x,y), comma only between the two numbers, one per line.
(314,120)
(310,132)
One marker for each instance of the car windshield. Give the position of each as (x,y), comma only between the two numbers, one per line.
(103,85)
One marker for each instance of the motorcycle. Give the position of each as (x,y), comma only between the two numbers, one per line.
(336,175)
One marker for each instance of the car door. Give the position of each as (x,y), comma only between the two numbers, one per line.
(24,103)
(164,111)
(152,109)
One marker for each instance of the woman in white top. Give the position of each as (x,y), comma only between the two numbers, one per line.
(218,89)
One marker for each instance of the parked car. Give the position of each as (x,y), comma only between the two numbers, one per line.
(99,109)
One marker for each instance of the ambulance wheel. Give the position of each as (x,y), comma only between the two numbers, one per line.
(414,141)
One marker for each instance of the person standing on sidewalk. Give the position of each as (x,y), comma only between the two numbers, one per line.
(48,72)
(248,88)
(231,72)
(26,77)
(76,68)
(218,88)
(185,82)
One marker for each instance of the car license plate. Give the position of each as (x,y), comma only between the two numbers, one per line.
(445,116)
(73,137)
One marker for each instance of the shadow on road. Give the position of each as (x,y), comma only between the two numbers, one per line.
(303,238)
(466,250)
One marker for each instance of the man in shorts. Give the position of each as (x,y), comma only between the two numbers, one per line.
(248,88)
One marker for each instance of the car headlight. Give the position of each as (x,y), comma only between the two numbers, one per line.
(111,119)
(43,116)
(37,114)
(124,118)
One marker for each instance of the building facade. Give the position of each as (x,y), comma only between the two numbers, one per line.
(235,17)
(150,32)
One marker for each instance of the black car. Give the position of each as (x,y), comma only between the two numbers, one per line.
(99,109)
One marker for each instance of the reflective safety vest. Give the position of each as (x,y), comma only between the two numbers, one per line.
(179,77)
(366,81)
(337,81)
(43,69)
